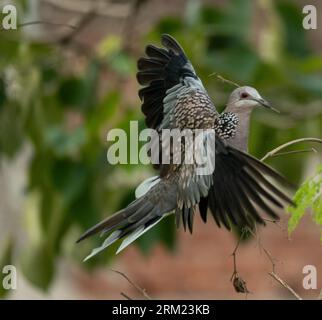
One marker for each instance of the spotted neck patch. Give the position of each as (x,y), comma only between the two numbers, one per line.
(226,125)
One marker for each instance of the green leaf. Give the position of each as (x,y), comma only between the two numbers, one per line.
(309,195)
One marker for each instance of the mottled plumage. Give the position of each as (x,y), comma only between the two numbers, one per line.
(237,188)
(226,125)
(194,110)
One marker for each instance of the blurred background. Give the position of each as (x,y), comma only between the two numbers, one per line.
(68,79)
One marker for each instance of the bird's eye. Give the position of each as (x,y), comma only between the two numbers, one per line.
(244,95)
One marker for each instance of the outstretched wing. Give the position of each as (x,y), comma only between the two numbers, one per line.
(166,74)
(242,189)
(171,84)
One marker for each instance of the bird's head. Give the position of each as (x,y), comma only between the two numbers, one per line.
(247,98)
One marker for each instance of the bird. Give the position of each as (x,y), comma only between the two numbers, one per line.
(237,190)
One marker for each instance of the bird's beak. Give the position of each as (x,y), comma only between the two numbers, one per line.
(265,104)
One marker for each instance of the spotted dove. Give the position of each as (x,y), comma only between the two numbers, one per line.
(236,192)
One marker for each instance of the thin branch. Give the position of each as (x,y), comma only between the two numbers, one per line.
(276,222)
(239,283)
(273,272)
(271,220)
(287,144)
(234,257)
(137,287)
(31,23)
(125,296)
(221,78)
(284,284)
(293,152)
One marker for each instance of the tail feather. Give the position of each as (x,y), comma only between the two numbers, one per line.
(117,220)
(142,214)
(130,233)
(138,233)
(107,242)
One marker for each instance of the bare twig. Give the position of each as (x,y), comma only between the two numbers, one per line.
(271,220)
(287,144)
(221,78)
(276,222)
(137,287)
(239,283)
(125,296)
(234,258)
(31,23)
(274,153)
(273,272)
(284,284)
(293,152)
(268,254)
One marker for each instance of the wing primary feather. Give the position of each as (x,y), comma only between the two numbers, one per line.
(203,208)
(212,206)
(247,203)
(257,199)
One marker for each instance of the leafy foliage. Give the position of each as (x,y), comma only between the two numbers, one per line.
(309,195)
